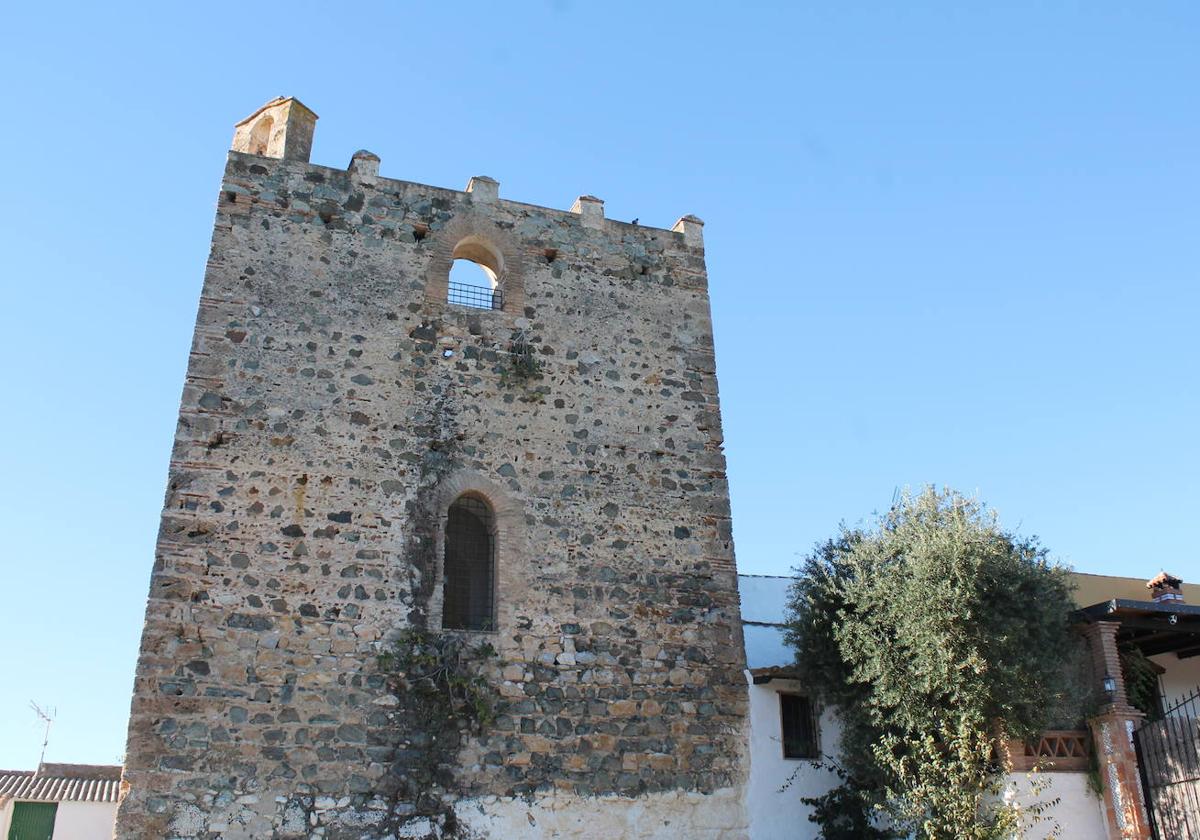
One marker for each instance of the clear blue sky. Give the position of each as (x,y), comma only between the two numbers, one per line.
(947,242)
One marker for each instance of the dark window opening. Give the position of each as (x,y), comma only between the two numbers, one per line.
(468,594)
(798,723)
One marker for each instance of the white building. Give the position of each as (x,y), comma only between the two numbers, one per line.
(789,733)
(59,802)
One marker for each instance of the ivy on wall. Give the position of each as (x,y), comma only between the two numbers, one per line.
(444,695)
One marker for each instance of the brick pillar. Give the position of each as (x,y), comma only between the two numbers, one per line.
(1112,728)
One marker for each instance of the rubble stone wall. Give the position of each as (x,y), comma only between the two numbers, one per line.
(335,404)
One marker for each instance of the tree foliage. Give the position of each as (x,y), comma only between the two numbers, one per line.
(933,634)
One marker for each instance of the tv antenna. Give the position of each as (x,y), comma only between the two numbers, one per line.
(47,717)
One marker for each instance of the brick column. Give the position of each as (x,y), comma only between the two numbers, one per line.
(1112,728)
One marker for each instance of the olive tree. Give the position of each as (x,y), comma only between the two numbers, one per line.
(935,634)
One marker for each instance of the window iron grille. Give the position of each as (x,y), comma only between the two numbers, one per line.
(798,724)
(469,570)
(476,297)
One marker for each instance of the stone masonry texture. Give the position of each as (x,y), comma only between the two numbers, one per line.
(335,405)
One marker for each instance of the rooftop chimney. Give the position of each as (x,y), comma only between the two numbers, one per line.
(1165,589)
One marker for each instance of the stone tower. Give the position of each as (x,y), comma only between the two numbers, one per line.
(343,399)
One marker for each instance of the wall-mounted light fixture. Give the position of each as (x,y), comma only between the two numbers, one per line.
(1110,687)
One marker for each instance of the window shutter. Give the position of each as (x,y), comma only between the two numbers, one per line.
(33,821)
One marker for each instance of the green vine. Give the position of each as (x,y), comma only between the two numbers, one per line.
(445,670)
(443,695)
(523,363)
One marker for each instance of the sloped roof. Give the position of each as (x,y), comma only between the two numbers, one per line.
(764,598)
(276,101)
(764,609)
(63,783)
(1092,589)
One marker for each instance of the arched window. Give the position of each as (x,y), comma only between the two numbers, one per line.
(469,568)
(260,136)
(475,275)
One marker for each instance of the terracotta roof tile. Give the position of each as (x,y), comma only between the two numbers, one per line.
(63,783)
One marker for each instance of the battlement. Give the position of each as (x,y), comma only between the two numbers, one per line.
(284,127)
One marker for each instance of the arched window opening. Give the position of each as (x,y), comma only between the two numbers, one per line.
(475,275)
(469,568)
(260,136)
(472,284)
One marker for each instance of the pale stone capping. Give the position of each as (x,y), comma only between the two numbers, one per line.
(511,544)
(484,189)
(590,210)
(364,165)
(283,128)
(692,229)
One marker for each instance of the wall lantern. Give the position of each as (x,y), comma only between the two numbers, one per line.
(1110,687)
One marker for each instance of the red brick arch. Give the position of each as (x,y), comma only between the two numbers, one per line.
(511,545)
(473,235)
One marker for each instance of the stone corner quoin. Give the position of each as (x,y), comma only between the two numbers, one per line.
(335,405)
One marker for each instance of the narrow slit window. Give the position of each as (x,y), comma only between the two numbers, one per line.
(469,569)
(798,725)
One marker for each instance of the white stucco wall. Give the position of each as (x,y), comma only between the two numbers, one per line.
(1182,676)
(85,820)
(778,814)
(1077,814)
(667,815)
